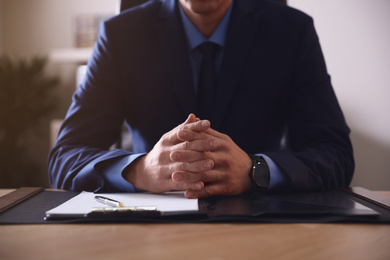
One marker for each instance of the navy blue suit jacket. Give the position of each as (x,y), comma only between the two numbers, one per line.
(272,82)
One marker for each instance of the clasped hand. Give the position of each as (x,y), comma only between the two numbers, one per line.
(195,158)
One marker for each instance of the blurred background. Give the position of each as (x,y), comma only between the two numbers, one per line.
(50,40)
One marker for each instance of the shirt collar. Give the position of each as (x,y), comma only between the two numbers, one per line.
(195,37)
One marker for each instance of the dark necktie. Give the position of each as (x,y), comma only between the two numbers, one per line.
(207,80)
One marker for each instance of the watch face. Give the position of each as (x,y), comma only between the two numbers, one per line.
(261,174)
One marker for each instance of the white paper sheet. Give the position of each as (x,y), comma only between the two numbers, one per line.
(83,203)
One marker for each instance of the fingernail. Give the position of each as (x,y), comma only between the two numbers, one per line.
(208,164)
(175,156)
(177,177)
(205,124)
(189,194)
(213,144)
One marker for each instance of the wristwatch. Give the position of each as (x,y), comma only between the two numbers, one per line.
(259,174)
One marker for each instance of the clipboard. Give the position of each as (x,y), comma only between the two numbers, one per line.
(86,205)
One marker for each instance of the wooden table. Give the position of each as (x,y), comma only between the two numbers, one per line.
(195,241)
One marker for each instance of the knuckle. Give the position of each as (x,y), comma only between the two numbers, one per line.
(160,157)
(204,176)
(157,178)
(183,166)
(227,162)
(203,135)
(186,145)
(226,137)
(166,138)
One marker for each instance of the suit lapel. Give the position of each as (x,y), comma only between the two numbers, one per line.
(173,44)
(238,45)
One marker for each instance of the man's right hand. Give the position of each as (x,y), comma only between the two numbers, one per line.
(153,171)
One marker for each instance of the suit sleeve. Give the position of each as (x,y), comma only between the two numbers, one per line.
(92,125)
(320,155)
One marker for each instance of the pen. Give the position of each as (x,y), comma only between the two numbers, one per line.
(126,209)
(109,202)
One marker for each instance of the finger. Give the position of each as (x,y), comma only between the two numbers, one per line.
(190,156)
(194,186)
(201,145)
(207,191)
(187,156)
(195,167)
(197,125)
(171,137)
(163,182)
(210,176)
(190,119)
(187,134)
(214,133)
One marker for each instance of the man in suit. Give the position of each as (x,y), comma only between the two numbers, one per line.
(271,85)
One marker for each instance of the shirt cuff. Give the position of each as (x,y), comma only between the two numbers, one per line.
(277,175)
(113,173)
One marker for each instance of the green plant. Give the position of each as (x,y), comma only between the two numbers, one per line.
(26,99)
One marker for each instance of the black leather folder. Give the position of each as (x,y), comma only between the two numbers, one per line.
(352,205)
